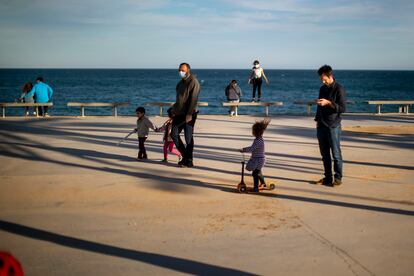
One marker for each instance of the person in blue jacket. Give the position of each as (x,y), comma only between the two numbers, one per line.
(43,94)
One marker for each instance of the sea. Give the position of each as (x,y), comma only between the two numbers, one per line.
(139,86)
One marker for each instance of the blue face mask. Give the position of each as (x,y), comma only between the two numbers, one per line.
(182,74)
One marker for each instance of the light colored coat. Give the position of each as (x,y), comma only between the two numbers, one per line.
(143,126)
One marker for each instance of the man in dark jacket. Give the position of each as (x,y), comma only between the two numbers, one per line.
(185,114)
(331,104)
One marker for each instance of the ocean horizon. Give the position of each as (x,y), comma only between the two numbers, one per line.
(139,86)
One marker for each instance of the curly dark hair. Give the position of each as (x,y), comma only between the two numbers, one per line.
(259,127)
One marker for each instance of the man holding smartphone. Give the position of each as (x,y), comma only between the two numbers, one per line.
(331,104)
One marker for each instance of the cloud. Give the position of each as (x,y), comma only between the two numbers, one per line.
(216,28)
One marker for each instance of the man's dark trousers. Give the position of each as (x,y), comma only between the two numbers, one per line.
(329,141)
(178,126)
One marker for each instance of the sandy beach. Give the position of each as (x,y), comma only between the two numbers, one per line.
(73,202)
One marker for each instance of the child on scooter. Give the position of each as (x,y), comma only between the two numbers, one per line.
(258,158)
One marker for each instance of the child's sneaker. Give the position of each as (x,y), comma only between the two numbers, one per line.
(262,186)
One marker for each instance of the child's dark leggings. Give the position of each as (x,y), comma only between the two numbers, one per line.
(257,175)
(142,153)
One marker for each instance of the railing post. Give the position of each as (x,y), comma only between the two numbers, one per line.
(115,111)
(161,107)
(236,110)
(378,109)
(309,111)
(82,111)
(267,110)
(4,111)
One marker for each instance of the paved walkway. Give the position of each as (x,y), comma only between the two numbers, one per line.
(72,202)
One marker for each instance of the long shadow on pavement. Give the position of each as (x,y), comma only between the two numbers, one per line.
(174,263)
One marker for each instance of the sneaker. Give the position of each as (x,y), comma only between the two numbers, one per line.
(34,113)
(255,190)
(258,100)
(164,160)
(324,181)
(253,100)
(46,115)
(180,158)
(232,113)
(337,182)
(262,186)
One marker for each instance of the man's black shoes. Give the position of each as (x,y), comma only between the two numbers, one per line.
(336,182)
(324,181)
(186,163)
(328,182)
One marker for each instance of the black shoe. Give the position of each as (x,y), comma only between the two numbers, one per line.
(337,182)
(182,162)
(189,164)
(324,181)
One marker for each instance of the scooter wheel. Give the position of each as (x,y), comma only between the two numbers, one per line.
(242,188)
(272,186)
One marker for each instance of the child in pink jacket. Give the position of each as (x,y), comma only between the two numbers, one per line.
(168,142)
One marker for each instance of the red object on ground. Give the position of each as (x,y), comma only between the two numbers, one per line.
(9,266)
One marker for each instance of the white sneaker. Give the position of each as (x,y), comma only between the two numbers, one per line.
(46,115)
(27,113)
(232,113)
(34,113)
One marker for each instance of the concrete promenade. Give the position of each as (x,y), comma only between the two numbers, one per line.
(73,203)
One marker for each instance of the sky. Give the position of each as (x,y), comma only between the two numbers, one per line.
(220,34)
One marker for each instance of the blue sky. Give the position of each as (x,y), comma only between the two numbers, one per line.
(288,34)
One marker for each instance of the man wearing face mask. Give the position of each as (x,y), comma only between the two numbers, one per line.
(331,104)
(185,111)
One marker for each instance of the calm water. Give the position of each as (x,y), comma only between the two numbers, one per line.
(139,86)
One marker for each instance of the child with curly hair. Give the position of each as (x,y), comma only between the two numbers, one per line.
(257,158)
